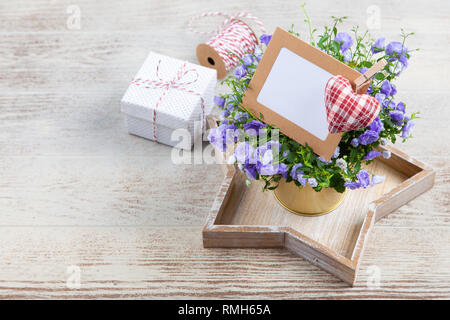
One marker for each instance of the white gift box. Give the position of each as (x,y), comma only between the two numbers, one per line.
(169,94)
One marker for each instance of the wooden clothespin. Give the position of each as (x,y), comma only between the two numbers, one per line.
(367,76)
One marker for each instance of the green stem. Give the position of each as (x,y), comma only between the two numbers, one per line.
(308,20)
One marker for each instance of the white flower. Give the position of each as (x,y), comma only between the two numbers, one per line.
(341,163)
(244,152)
(386,154)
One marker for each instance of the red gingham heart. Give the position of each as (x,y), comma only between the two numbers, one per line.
(347,110)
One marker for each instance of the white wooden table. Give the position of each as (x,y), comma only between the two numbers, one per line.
(77,190)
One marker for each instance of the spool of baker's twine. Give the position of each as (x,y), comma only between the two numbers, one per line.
(230,41)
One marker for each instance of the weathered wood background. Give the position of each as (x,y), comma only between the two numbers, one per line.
(76,189)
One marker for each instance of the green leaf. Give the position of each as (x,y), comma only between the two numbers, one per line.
(379,76)
(335,46)
(337,182)
(322,40)
(357,167)
(277,178)
(320,164)
(353,155)
(291,157)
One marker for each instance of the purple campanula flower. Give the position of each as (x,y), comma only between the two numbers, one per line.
(406,130)
(285,153)
(345,40)
(352,185)
(371,155)
(336,152)
(219,101)
(376,125)
(403,60)
(267,158)
(312,182)
(254,124)
(282,168)
(401,107)
(388,104)
(368,137)
(241,117)
(378,46)
(323,160)
(240,72)
(225,113)
(347,56)
(264,167)
(302,179)
(395,47)
(380,97)
(231,107)
(258,54)
(253,127)
(247,60)
(393,90)
(294,172)
(377,180)
(370,89)
(245,153)
(363,178)
(250,171)
(386,88)
(265,38)
(363,70)
(355,142)
(223,135)
(215,138)
(396,115)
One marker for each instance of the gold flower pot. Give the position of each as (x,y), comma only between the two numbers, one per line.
(306,201)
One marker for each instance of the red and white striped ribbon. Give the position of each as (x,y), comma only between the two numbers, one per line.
(233,38)
(176,83)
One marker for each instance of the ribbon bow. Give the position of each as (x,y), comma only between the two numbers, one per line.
(176,82)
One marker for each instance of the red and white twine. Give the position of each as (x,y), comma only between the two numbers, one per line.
(233,38)
(176,83)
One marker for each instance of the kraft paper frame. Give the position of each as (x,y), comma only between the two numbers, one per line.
(283,39)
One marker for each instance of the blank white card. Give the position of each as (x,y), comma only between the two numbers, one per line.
(295,89)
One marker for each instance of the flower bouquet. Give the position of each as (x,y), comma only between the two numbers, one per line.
(271,160)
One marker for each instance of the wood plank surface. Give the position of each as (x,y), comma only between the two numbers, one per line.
(76,189)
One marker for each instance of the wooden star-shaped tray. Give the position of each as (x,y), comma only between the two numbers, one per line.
(245,217)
